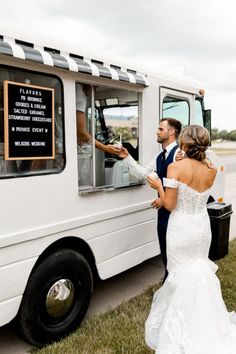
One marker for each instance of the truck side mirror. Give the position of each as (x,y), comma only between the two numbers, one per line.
(207,119)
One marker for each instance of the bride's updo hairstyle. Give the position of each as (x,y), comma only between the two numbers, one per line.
(195,140)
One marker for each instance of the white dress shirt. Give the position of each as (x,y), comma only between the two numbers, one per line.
(141,172)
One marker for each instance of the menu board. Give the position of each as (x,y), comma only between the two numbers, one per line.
(28,122)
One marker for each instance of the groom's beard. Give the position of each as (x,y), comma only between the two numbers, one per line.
(161,140)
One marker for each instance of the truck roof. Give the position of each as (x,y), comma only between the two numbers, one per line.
(66,55)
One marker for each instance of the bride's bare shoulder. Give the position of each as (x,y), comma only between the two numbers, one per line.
(176,167)
(210,164)
(179,164)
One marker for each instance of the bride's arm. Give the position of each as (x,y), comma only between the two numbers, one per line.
(169,196)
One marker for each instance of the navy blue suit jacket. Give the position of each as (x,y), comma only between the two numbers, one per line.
(163,214)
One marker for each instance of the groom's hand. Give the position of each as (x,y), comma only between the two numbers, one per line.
(157,203)
(179,155)
(123,153)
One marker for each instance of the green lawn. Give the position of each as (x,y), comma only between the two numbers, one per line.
(122,330)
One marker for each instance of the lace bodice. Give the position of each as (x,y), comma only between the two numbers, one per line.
(189,201)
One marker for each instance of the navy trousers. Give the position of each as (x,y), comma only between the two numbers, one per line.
(162,222)
(163,214)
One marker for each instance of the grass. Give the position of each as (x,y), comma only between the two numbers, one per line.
(121,330)
(227,276)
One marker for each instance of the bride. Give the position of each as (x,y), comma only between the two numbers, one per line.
(188,315)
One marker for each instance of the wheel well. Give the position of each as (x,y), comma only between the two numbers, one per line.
(74,243)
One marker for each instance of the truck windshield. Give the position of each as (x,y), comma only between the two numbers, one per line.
(176,107)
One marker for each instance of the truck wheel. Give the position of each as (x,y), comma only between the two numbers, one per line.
(56,297)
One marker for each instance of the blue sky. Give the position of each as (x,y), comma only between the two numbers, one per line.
(195,39)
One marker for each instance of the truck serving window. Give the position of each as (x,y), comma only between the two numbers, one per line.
(109,116)
(176,107)
(31,123)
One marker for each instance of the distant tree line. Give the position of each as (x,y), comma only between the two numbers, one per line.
(223,134)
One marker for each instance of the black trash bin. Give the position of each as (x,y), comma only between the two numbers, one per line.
(220,221)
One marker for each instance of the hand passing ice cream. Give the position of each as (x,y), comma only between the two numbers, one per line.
(153,175)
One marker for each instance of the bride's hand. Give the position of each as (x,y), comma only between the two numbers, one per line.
(154,183)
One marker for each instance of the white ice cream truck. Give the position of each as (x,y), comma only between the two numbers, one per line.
(68,212)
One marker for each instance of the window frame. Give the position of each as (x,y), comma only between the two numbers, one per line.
(93,188)
(44,172)
(201,102)
(171,92)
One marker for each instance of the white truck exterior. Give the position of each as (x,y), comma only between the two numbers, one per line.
(48,220)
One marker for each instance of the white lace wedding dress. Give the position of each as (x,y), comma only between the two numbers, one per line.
(188,314)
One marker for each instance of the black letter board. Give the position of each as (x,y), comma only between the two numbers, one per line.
(28,122)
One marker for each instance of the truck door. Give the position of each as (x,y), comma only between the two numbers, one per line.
(176,104)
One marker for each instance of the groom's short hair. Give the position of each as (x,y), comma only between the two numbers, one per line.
(174,123)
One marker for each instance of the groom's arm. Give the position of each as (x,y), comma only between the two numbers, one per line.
(135,169)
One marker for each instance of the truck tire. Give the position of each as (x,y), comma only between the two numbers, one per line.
(56,297)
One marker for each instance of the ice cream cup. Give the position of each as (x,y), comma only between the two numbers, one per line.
(117,144)
(153,175)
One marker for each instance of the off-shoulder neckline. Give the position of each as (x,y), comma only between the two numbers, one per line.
(185,184)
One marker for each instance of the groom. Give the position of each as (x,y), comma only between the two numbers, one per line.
(167,134)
